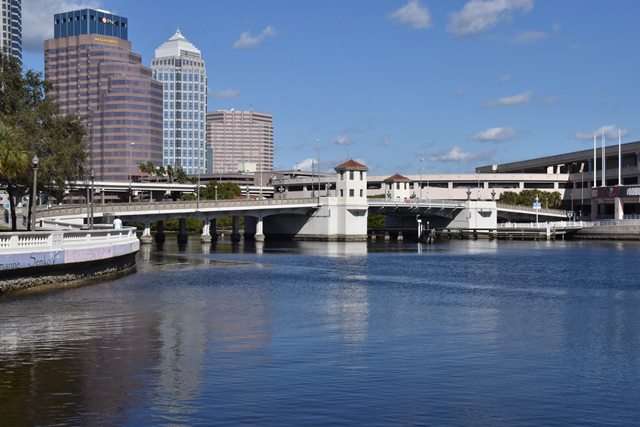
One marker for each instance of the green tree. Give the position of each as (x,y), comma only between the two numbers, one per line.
(228,190)
(14,161)
(27,107)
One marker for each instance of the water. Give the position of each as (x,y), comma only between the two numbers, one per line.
(461,333)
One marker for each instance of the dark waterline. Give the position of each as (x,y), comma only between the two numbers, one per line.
(459,333)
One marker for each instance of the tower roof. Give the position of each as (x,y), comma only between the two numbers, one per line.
(397,178)
(175,46)
(351,165)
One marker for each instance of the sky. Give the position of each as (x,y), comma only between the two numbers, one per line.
(401,85)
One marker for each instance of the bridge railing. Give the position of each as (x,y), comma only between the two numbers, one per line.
(529,209)
(115,208)
(543,225)
(43,240)
(413,202)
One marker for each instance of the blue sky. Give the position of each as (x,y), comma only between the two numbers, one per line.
(457,83)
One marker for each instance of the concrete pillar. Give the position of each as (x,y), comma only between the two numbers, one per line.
(619,208)
(213,231)
(235,231)
(160,237)
(205,237)
(594,209)
(182,231)
(146,237)
(259,236)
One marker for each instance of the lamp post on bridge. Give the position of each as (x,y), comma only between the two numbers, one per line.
(34,162)
(130,177)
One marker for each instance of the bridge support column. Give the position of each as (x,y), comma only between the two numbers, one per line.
(235,231)
(259,236)
(205,237)
(213,226)
(182,231)
(146,234)
(160,237)
(618,208)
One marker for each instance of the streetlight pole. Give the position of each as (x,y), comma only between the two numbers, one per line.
(34,163)
(318,166)
(215,189)
(581,192)
(420,182)
(93,177)
(130,177)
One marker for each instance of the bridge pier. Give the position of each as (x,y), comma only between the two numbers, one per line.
(235,228)
(182,231)
(160,236)
(259,236)
(213,226)
(146,237)
(205,237)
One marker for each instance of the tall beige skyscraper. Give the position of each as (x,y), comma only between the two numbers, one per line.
(239,141)
(96,76)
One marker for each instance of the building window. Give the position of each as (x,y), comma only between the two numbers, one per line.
(351,175)
(361,175)
(361,193)
(341,193)
(351,193)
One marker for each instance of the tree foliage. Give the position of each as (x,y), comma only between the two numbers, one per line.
(549,200)
(32,126)
(228,190)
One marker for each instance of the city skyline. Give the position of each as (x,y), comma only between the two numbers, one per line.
(459,84)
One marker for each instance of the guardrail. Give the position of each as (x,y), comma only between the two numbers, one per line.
(529,209)
(42,240)
(115,208)
(543,225)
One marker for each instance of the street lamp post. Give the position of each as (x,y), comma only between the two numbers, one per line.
(93,178)
(215,190)
(34,163)
(420,182)
(537,207)
(130,177)
(581,192)
(318,166)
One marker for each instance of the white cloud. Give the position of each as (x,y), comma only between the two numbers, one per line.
(551,100)
(481,15)
(305,165)
(610,132)
(522,98)
(504,78)
(342,139)
(530,37)
(386,141)
(37,19)
(457,154)
(226,93)
(499,134)
(246,40)
(412,14)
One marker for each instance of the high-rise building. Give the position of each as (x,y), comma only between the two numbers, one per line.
(11,33)
(96,76)
(239,141)
(181,70)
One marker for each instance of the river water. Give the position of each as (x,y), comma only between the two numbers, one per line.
(458,333)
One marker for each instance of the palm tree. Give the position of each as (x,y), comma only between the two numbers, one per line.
(14,161)
(159,172)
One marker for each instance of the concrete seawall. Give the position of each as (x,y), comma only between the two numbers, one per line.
(609,232)
(29,259)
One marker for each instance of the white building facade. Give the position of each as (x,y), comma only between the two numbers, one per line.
(180,68)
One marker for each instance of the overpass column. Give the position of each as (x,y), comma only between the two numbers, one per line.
(146,234)
(182,230)
(213,226)
(205,237)
(160,237)
(259,236)
(235,224)
(618,208)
